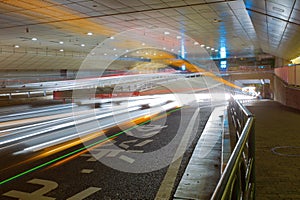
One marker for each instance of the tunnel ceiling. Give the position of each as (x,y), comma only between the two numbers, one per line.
(246,28)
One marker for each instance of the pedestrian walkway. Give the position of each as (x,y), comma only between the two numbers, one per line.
(277,132)
(203,171)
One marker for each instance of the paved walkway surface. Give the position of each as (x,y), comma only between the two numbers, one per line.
(277,151)
(203,171)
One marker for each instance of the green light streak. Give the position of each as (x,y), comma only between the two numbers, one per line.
(78,150)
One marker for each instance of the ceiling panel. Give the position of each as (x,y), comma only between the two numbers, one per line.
(278,10)
(295,16)
(285,3)
(257,5)
(242,25)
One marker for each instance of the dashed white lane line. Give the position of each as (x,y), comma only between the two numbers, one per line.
(86,171)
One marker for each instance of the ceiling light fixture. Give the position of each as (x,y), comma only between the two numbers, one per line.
(166,33)
(34,39)
(61,42)
(89,33)
(82,45)
(61,50)
(112,37)
(16,46)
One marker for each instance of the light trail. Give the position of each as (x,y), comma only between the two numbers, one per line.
(78,150)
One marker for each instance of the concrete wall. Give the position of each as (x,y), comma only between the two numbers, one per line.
(290,74)
(286,95)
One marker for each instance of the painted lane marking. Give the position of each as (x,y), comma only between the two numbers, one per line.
(124,144)
(143,143)
(84,193)
(127,159)
(47,187)
(146,131)
(38,194)
(86,171)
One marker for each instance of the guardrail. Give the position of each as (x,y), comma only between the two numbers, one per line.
(238,178)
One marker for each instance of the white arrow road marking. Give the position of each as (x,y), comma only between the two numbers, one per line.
(103,153)
(143,143)
(124,144)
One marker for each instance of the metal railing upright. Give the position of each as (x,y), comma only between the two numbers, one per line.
(238,178)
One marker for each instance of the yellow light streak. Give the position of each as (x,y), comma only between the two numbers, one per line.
(78,154)
(64,18)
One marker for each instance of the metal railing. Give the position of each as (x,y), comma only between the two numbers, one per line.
(238,178)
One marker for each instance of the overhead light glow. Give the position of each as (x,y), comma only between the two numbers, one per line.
(223,52)
(17,46)
(89,33)
(61,42)
(196,43)
(202,45)
(82,45)
(166,33)
(61,50)
(296,60)
(208,47)
(112,37)
(114,49)
(34,39)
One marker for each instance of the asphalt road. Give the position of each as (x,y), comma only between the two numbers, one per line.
(126,162)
